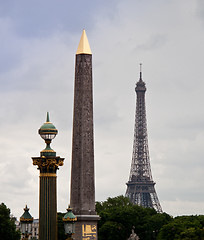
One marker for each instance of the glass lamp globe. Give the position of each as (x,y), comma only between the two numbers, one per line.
(48,131)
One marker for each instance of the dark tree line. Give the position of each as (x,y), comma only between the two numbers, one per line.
(7,225)
(118,216)
(183,227)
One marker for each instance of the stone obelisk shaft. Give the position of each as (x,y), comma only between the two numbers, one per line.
(82,183)
(82,174)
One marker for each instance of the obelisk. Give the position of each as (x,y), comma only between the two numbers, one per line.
(82,173)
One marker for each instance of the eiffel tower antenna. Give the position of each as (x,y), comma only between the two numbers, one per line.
(140,71)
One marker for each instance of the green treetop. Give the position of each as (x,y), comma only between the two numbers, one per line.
(7,225)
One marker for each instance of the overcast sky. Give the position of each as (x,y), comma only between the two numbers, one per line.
(38,43)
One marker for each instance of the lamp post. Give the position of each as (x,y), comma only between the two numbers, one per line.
(48,164)
(26,221)
(69,220)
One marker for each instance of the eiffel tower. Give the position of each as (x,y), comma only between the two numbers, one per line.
(140,187)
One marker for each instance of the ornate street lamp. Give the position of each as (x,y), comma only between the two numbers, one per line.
(69,220)
(26,221)
(48,164)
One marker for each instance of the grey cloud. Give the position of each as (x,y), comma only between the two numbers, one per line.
(200,9)
(38,19)
(154,42)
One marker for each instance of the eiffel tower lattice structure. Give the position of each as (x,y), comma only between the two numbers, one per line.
(141,187)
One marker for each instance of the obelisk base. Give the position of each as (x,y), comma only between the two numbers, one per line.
(86,227)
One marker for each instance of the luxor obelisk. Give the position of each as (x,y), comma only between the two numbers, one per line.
(82,173)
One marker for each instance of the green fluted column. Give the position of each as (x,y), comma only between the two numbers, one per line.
(48,207)
(48,196)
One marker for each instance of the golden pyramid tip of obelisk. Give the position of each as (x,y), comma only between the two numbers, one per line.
(84,47)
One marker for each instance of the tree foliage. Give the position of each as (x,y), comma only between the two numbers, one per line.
(60,224)
(119,215)
(183,227)
(7,225)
